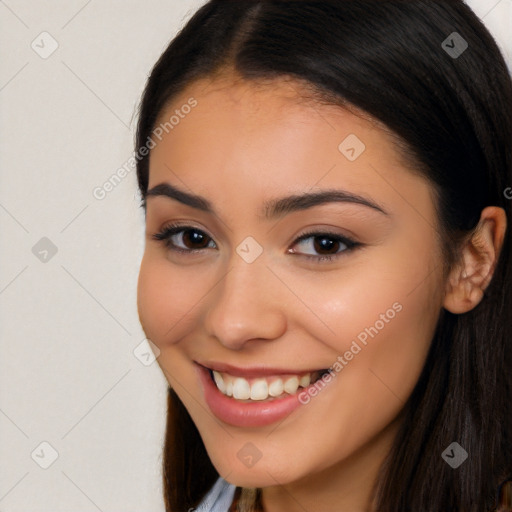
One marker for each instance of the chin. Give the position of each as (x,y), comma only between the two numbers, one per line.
(262,473)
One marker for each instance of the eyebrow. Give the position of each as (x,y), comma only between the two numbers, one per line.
(273,207)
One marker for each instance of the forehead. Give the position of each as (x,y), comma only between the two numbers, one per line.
(259,137)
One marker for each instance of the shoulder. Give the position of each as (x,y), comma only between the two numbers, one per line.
(218,498)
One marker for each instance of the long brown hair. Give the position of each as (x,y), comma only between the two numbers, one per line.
(453,116)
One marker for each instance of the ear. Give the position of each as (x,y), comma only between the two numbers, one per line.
(468,280)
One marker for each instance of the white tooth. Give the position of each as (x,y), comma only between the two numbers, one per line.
(291,385)
(219,381)
(276,388)
(229,388)
(241,389)
(305,380)
(259,390)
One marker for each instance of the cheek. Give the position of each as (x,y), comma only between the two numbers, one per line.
(383,331)
(379,316)
(368,307)
(388,294)
(165,300)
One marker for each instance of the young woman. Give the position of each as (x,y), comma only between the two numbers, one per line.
(327,274)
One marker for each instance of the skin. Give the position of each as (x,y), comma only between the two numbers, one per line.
(240,146)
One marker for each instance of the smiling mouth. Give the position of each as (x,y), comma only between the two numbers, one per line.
(268,388)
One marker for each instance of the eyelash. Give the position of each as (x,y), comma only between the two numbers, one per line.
(170,230)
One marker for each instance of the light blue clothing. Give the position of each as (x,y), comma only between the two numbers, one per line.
(219,497)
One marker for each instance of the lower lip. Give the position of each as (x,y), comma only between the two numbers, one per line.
(244,414)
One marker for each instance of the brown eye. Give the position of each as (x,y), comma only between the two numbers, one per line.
(323,246)
(183,238)
(325,243)
(194,239)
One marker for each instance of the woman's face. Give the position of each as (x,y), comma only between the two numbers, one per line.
(236,291)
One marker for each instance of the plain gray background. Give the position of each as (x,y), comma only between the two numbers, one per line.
(82,401)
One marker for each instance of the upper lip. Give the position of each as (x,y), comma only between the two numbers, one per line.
(252,371)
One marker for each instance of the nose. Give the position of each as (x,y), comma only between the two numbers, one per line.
(246,305)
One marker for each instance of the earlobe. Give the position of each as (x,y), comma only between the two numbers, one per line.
(467,282)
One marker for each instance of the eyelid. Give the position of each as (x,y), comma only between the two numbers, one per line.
(324,231)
